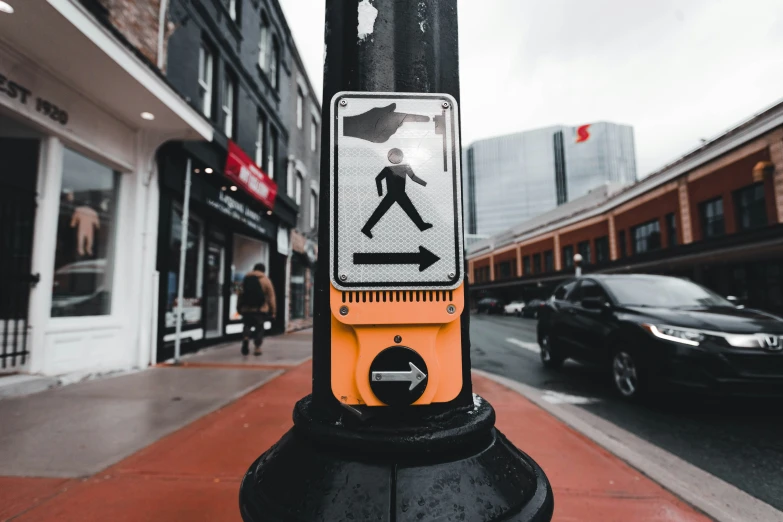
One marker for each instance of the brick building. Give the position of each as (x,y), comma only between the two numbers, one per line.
(714,215)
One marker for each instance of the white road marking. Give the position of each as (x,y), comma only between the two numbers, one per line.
(533,347)
(554,397)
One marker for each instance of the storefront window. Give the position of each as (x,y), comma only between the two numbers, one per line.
(194,271)
(84,253)
(247,252)
(297,289)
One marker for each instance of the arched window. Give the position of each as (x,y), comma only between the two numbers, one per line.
(263,43)
(274,68)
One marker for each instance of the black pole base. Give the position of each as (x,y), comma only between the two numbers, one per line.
(452,467)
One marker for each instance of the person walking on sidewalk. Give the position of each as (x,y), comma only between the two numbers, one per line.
(256,303)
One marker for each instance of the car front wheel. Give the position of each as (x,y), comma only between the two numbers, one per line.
(550,358)
(627,374)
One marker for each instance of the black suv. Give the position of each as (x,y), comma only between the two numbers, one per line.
(654,330)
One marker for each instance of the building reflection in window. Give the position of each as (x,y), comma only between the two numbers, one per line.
(86,228)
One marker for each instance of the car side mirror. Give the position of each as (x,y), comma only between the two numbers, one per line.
(594,303)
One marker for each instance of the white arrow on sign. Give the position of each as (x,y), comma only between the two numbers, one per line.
(415,376)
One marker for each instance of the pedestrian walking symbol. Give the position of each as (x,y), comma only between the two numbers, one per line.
(395,177)
(403,149)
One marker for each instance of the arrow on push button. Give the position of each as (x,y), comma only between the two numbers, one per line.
(415,376)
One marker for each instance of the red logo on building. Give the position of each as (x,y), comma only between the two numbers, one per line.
(246,174)
(582,134)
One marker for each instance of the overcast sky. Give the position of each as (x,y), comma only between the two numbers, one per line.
(677,70)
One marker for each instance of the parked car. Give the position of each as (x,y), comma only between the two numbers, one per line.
(490,305)
(80,289)
(533,308)
(514,308)
(657,331)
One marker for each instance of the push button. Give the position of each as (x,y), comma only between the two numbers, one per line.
(398,376)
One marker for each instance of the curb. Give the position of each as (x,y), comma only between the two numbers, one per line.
(713,496)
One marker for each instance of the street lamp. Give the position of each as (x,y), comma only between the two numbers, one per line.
(578,264)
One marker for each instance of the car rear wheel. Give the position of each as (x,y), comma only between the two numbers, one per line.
(550,358)
(628,375)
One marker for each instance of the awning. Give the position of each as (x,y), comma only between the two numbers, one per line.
(62,37)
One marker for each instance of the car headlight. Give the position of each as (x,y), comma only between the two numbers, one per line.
(675,334)
(744,340)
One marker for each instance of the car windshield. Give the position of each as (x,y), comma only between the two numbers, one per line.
(664,292)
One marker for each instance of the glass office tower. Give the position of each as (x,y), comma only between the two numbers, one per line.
(508,179)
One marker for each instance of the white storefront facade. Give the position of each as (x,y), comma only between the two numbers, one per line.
(81,119)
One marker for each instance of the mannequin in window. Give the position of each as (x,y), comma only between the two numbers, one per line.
(86,221)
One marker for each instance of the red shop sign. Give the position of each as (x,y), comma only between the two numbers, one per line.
(246,174)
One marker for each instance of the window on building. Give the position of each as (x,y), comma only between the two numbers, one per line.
(621,244)
(233,10)
(299,108)
(602,250)
(290,174)
(646,237)
(568,256)
(482,274)
(549,261)
(585,252)
(751,207)
(206,61)
(194,270)
(263,43)
(86,229)
(229,97)
(260,134)
(536,263)
(274,66)
(246,253)
(504,270)
(313,134)
(712,218)
(313,209)
(298,187)
(671,229)
(271,161)
(297,289)
(526,265)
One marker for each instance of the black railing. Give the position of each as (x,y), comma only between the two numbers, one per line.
(17,215)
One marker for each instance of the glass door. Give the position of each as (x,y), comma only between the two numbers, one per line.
(215,281)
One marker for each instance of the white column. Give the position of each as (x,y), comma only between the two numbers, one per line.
(44,242)
(144,292)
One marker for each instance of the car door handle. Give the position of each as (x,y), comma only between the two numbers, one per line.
(570,310)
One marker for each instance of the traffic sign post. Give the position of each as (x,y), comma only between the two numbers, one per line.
(396,260)
(392,430)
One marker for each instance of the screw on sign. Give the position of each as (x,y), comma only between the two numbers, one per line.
(395,209)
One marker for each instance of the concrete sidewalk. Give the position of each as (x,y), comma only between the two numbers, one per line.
(194,472)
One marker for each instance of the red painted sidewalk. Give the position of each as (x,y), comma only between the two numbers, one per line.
(194,473)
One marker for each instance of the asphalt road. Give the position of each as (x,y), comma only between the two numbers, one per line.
(739,441)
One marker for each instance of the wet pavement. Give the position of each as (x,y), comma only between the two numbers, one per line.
(80,429)
(194,473)
(736,440)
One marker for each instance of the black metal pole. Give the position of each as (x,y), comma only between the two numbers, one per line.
(439,462)
(413,47)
